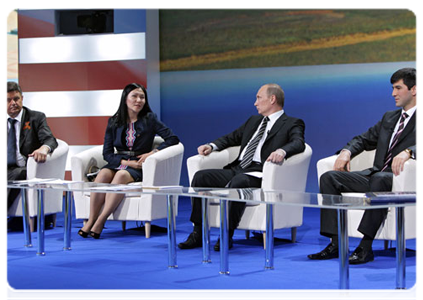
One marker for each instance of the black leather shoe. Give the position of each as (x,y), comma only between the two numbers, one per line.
(193,241)
(361,256)
(331,251)
(217,245)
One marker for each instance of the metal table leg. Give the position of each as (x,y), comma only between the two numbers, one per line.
(171,233)
(224,243)
(269,238)
(25,217)
(40,222)
(206,231)
(68,221)
(344,273)
(400,276)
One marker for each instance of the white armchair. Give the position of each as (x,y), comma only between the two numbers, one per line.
(161,168)
(406,181)
(291,175)
(54,167)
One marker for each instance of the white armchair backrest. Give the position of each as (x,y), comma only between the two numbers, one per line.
(157,141)
(363,161)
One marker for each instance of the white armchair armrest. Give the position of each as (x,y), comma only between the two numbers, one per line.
(163,167)
(53,167)
(406,180)
(215,160)
(291,175)
(324,165)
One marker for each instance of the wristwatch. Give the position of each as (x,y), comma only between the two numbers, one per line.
(409,152)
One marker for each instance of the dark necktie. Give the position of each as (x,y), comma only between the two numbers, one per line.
(388,157)
(11,143)
(251,149)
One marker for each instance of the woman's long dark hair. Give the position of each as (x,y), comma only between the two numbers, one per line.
(121,116)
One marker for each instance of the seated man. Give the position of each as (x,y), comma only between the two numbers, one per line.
(271,136)
(28,136)
(394,138)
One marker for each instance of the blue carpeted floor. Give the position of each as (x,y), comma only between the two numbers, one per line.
(127,260)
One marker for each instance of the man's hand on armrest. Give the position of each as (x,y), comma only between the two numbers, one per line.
(40,155)
(342,162)
(277,156)
(205,149)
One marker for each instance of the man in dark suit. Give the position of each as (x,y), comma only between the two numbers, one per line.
(271,136)
(28,136)
(394,138)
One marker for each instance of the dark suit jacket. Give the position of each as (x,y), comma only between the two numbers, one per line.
(34,132)
(379,136)
(287,133)
(146,129)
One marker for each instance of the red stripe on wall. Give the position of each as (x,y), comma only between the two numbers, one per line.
(32,27)
(83,76)
(68,175)
(79,131)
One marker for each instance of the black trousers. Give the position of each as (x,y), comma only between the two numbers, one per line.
(14,173)
(217,178)
(337,182)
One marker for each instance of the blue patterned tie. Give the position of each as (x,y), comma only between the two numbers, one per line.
(11,143)
(251,149)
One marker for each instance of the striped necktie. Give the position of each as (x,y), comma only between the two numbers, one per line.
(388,158)
(251,149)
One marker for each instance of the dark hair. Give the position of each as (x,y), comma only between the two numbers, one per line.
(408,75)
(13,87)
(275,89)
(121,116)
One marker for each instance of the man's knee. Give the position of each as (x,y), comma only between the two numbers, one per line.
(327,181)
(22,174)
(241,181)
(381,182)
(16,173)
(200,179)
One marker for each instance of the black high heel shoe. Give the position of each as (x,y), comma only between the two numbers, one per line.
(83,233)
(95,235)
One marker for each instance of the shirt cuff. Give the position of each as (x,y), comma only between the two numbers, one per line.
(49,149)
(345,150)
(214,147)
(283,151)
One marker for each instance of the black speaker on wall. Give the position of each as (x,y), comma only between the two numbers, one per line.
(70,22)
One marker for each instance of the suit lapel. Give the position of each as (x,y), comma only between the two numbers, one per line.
(23,133)
(277,126)
(389,127)
(411,125)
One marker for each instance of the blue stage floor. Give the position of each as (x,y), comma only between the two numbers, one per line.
(129,261)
